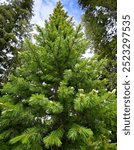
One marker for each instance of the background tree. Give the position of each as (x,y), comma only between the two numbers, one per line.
(100,20)
(15,18)
(55,99)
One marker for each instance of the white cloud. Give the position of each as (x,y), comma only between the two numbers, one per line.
(88,53)
(43,8)
(1,1)
(42,11)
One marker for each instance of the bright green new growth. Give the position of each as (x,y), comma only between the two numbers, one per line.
(56,100)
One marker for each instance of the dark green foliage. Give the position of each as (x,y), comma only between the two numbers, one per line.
(55,100)
(14,26)
(100,20)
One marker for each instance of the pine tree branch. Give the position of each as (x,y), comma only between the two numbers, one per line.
(73,42)
(36,56)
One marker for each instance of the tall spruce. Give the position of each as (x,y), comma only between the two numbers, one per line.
(15,18)
(55,99)
(100,20)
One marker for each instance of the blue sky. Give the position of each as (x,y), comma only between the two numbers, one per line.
(43,8)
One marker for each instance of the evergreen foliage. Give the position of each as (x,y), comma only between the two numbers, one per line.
(56,99)
(14,26)
(100,20)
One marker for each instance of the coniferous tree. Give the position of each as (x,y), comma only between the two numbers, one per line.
(55,100)
(15,18)
(100,21)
